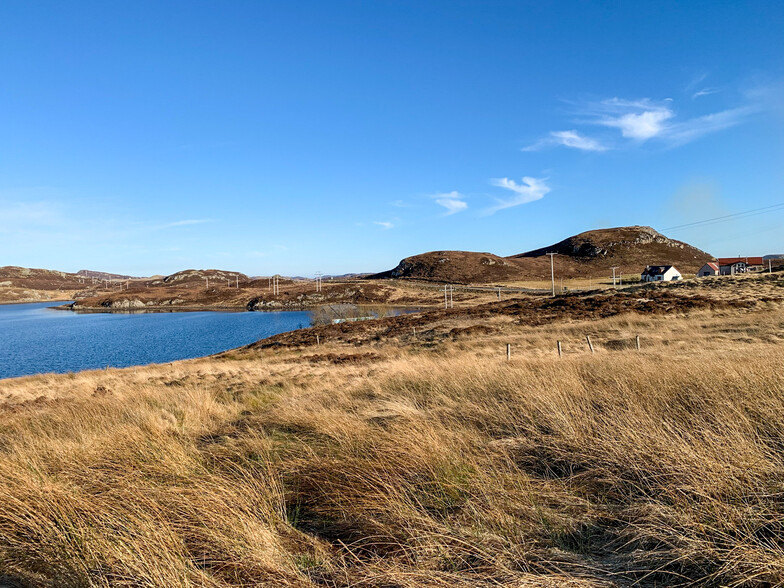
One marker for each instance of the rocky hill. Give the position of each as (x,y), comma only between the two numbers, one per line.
(629,248)
(200,276)
(591,253)
(38,279)
(24,284)
(454,266)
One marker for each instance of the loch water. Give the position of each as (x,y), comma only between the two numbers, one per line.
(35,339)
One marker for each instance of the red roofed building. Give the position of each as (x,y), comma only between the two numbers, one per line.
(709,269)
(738,265)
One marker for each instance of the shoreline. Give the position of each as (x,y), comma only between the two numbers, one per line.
(218,308)
(2,302)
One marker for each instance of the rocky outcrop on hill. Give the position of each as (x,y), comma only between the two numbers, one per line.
(608,242)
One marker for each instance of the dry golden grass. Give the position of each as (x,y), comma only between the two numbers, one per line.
(412,462)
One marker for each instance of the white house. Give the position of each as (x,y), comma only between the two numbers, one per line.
(709,269)
(660,273)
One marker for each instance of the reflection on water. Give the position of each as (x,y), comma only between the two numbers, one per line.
(338,313)
(37,339)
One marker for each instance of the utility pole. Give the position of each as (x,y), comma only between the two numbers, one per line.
(318,281)
(552,271)
(770,267)
(208,282)
(451,299)
(615,267)
(238,281)
(446,305)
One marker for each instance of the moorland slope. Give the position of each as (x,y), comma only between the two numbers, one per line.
(411,452)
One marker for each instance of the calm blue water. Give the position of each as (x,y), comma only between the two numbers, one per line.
(35,339)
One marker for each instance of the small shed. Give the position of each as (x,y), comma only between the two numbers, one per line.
(709,269)
(660,273)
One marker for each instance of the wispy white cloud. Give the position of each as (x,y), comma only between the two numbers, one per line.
(636,119)
(530,190)
(571,139)
(689,130)
(183,223)
(400,204)
(645,119)
(575,140)
(704,92)
(384,224)
(453,202)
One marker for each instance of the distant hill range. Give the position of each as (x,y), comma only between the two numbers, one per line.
(592,253)
(104,275)
(45,279)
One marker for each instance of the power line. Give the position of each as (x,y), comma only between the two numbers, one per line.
(552,271)
(726,217)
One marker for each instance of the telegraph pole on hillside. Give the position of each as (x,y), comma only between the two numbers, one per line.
(615,267)
(552,271)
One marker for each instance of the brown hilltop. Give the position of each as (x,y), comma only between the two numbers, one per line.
(586,254)
(39,279)
(24,284)
(199,276)
(629,248)
(457,266)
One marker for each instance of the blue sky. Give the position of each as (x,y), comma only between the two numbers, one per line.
(296,137)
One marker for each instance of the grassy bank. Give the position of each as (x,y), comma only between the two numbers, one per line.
(411,463)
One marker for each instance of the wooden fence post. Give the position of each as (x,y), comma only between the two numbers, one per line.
(508,351)
(637,340)
(590,345)
(559,348)
(318,341)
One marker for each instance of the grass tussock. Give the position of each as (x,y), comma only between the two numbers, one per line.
(420,467)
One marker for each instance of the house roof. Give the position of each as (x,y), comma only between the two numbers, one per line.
(713,265)
(656,270)
(746,260)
